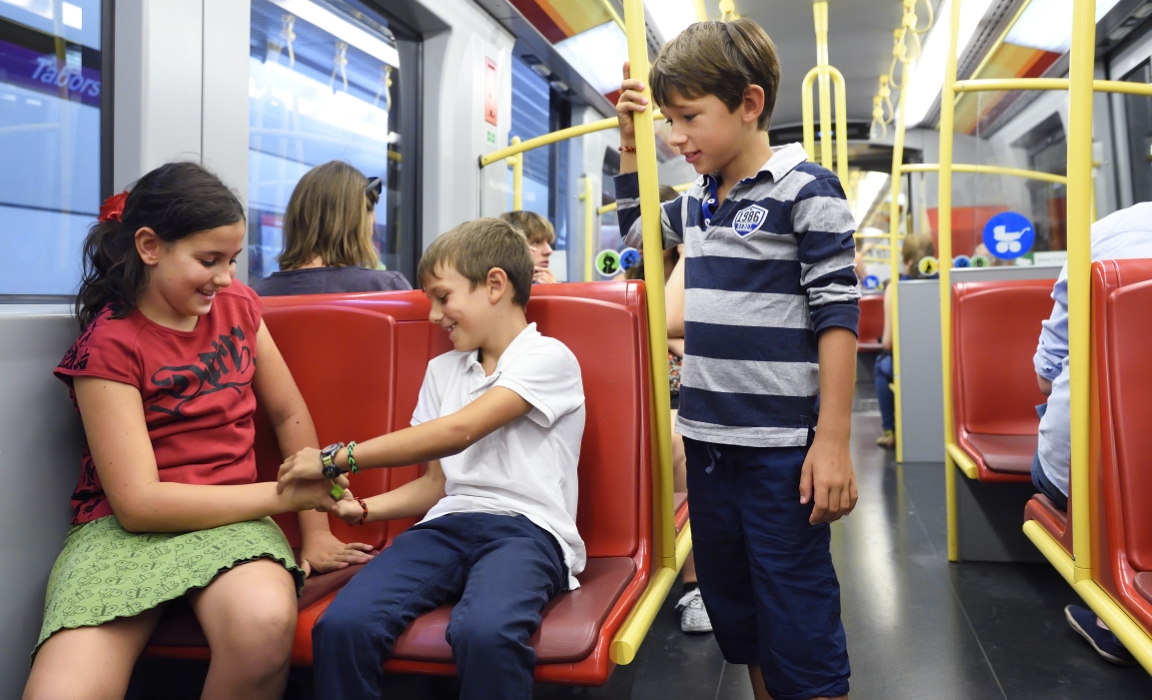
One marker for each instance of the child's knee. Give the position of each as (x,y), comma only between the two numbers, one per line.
(483,630)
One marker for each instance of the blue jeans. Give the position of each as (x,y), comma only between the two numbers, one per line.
(1040,480)
(766,574)
(884,395)
(502,569)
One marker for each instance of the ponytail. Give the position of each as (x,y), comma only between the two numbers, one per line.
(175,200)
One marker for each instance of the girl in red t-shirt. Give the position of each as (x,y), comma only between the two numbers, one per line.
(165,377)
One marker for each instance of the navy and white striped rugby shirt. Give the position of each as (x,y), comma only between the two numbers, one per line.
(764,276)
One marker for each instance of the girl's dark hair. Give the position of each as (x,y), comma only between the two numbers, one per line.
(175,200)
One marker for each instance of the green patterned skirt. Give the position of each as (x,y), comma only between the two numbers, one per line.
(106,572)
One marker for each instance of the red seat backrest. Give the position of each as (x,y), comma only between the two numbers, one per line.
(342,360)
(1126,435)
(995,329)
(871,318)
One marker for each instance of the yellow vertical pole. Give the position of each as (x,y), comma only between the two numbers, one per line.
(654,284)
(590,226)
(841,124)
(517,163)
(944,253)
(701,11)
(1080,69)
(808,114)
(894,255)
(820,14)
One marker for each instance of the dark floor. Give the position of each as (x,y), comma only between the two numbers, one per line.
(918,627)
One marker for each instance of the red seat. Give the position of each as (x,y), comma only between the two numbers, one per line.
(995,328)
(1057,522)
(1121,297)
(680,508)
(871,323)
(343,393)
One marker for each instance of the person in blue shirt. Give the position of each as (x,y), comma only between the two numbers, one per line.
(1122,235)
(771,311)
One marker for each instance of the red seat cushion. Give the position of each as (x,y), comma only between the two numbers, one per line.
(568,632)
(995,328)
(1011,454)
(680,508)
(1051,518)
(871,323)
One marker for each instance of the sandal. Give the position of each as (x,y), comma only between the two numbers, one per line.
(887,439)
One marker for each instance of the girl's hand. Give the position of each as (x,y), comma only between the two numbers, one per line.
(309,494)
(324,553)
(304,465)
(631,100)
(348,509)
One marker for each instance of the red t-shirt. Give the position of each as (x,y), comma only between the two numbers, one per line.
(196,387)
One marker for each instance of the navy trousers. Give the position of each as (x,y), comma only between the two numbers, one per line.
(766,575)
(884,396)
(503,570)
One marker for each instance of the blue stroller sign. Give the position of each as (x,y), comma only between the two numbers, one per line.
(1009,235)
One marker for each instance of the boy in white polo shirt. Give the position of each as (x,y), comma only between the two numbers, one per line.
(499,422)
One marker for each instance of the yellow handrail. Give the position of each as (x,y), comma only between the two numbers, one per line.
(631,633)
(553,137)
(944,252)
(517,163)
(1081,68)
(613,14)
(894,258)
(986,170)
(590,221)
(827,74)
(1003,84)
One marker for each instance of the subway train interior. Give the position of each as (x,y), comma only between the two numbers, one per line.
(994,158)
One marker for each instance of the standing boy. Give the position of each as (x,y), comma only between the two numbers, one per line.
(771,312)
(499,422)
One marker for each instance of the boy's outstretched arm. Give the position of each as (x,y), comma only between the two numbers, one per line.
(412,500)
(437,438)
(827,477)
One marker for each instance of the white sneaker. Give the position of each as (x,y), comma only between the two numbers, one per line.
(693,616)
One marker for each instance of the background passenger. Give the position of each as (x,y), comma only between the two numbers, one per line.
(917,246)
(165,377)
(1118,236)
(328,228)
(541,235)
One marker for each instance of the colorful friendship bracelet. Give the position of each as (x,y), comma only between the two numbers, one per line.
(352,460)
(364,517)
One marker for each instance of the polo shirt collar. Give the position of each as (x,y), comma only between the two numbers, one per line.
(783,161)
(518,344)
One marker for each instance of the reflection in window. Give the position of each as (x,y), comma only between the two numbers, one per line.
(323,85)
(50,86)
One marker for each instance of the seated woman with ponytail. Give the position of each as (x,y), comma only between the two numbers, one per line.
(328,245)
(171,360)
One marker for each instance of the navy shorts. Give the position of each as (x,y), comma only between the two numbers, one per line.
(766,575)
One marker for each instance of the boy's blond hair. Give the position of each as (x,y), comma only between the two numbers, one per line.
(536,228)
(721,59)
(329,214)
(476,247)
(917,246)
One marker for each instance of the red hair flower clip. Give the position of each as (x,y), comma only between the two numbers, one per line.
(113,207)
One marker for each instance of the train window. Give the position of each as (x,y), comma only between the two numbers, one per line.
(324,84)
(50,149)
(531,117)
(1138,110)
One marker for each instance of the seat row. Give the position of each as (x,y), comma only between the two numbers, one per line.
(359,361)
(1120,483)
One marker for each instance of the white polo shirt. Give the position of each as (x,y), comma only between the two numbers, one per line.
(527,467)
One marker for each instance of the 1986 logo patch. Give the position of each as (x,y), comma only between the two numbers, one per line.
(748,220)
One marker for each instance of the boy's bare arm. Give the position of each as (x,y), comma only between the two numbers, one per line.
(827,477)
(412,500)
(437,438)
(631,100)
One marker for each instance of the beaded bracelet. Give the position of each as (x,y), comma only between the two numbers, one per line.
(626,149)
(352,460)
(364,517)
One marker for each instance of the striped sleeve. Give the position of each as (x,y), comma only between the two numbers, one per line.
(824,226)
(628,214)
